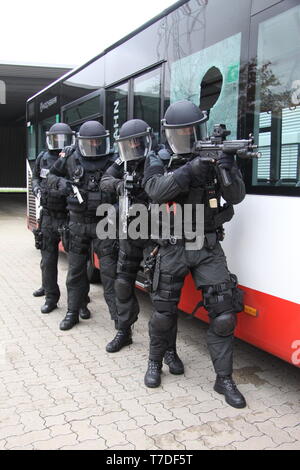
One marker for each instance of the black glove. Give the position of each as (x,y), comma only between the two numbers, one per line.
(120,188)
(153,166)
(226,161)
(64,186)
(198,170)
(36,191)
(67,151)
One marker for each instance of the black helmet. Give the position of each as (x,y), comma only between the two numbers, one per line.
(184,123)
(60,135)
(134,140)
(93,140)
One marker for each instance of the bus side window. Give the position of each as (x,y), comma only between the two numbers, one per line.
(277,101)
(147,99)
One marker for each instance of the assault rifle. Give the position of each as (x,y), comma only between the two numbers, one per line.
(211,150)
(128,185)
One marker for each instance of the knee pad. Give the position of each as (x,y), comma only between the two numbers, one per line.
(224,324)
(223,301)
(163,306)
(124,289)
(162,321)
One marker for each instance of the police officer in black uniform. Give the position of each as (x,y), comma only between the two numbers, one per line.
(54,212)
(78,175)
(191,180)
(135,142)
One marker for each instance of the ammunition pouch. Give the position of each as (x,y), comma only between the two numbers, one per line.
(38,238)
(94,199)
(74,206)
(53,200)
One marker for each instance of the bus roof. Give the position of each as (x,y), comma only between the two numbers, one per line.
(116,44)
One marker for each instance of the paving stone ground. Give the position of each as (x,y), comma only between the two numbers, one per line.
(61,390)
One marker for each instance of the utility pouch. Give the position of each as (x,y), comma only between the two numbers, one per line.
(237,295)
(38,238)
(210,240)
(64,233)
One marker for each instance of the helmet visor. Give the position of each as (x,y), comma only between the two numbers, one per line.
(92,147)
(183,139)
(59,141)
(134,148)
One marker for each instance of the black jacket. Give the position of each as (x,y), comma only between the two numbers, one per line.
(176,184)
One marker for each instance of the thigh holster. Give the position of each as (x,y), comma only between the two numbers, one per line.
(128,264)
(169,287)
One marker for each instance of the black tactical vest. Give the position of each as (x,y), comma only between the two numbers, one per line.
(51,199)
(87,176)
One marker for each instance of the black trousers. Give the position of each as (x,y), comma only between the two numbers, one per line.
(208,267)
(51,238)
(131,255)
(83,238)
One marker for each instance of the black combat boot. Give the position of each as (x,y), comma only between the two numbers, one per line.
(225,386)
(84,313)
(71,319)
(174,362)
(122,338)
(40,292)
(48,307)
(152,377)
